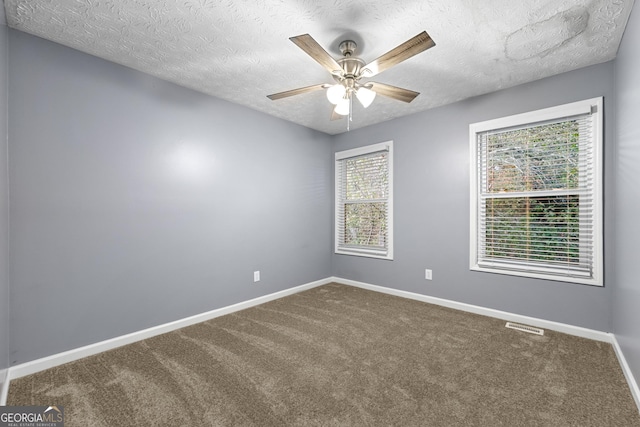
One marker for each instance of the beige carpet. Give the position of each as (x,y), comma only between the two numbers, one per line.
(342,356)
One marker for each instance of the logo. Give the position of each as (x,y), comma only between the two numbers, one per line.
(31,416)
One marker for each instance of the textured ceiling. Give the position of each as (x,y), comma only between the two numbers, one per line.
(239,50)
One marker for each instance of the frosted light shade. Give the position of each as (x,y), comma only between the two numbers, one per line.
(342,107)
(365,96)
(335,93)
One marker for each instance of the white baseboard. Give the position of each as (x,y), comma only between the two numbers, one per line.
(38,365)
(4,386)
(633,385)
(504,315)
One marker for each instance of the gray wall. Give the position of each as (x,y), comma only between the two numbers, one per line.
(4,207)
(626,297)
(115,229)
(431,184)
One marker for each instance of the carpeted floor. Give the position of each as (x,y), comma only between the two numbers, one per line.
(342,356)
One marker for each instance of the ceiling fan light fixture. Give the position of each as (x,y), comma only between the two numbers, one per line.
(335,93)
(365,96)
(342,107)
(348,70)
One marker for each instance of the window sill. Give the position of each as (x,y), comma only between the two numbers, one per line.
(364,254)
(534,275)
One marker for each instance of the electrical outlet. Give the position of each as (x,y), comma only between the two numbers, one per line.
(427,274)
(256,276)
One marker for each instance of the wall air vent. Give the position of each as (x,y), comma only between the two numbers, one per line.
(525,328)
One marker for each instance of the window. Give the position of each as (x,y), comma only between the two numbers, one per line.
(536,194)
(364,201)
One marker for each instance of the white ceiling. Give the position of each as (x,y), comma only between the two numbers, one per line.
(239,50)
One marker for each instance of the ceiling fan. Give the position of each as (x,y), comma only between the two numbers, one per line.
(349,70)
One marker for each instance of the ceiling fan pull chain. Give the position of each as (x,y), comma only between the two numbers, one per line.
(350,113)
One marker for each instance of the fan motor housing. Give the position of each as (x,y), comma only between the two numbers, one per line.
(351,67)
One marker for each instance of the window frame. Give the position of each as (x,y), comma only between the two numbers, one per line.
(357,152)
(593,106)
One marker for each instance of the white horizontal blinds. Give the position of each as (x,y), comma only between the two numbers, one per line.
(363,186)
(536,197)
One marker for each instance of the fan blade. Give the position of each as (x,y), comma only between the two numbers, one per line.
(334,115)
(394,92)
(293,92)
(314,50)
(406,50)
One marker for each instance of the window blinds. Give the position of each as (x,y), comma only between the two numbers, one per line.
(536,197)
(362,211)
